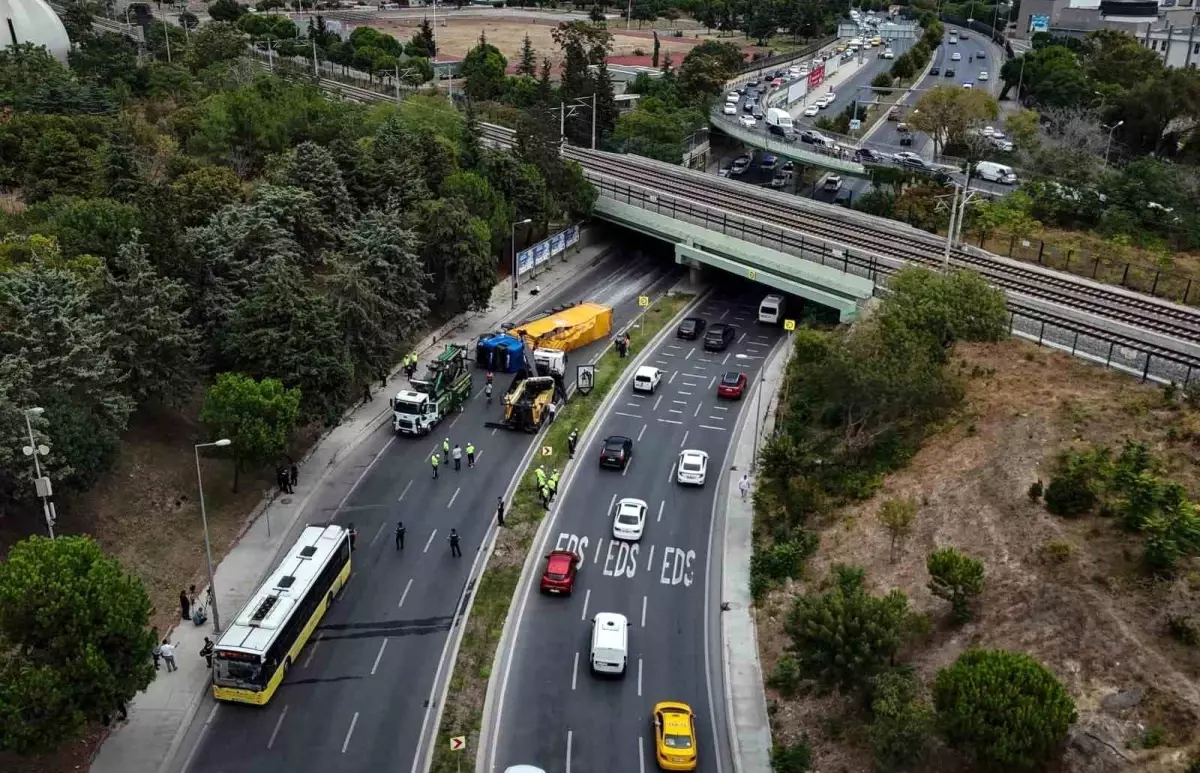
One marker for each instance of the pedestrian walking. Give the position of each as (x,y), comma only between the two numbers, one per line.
(744,486)
(446,448)
(167,651)
(544,491)
(470,454)
(500,510)
(620,344)
(552,485)
(367,392)
(383,379)
(295,476)
(552,409)
(400,532)
(457,454)
(540,474)
(627,343)
(206,651)
(353,534)
(455,550)
(572,440)
(435,460)
(156,653)
(281,479)
(185,606)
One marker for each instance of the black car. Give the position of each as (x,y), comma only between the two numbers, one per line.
(949,72)
(810,136)
(867,155)
(758,112)
(916,164)
(754,83)
(748,107)
(719,337)
(618,451)
(691,328)
(935,71)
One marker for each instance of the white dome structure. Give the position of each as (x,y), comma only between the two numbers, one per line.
(33,21)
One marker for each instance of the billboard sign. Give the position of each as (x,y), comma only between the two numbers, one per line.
(816,76)
(1039,22)
(796,91)
(540,253)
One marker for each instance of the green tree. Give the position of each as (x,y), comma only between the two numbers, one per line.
(74,625)
(259,418)
(1003,708)
(545,87)
(903,68)
(483,68)
(897,516)
(946,113)
(528,63)
(901,720)
(56,163)
(310,167)
(457,253)
(654,56)
(707,67)
(957,578)
(153,344)
(844,636)
(424,41)
(198,195)
(86,226)
(945,307)
(882,82)
(105,58)
(214,43)
(225,10)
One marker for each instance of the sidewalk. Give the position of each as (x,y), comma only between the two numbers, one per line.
(746,700)
(160,716)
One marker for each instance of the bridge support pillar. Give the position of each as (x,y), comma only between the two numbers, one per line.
(695,275)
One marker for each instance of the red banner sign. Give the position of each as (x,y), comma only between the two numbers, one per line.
(816,76)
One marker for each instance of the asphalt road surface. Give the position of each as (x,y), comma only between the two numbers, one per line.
(857,86)
(357,697)
(553,713)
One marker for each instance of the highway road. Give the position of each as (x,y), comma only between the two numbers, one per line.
(552,712)
(857,85)
(357,698)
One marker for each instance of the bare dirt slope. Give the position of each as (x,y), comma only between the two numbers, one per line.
(1091,615)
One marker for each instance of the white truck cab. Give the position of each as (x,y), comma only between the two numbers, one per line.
(413,413)
(550,362)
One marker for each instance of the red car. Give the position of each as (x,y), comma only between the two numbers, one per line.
(732,385)
(559,575)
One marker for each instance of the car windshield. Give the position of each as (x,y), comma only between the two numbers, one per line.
(556,575)
(691,465)
(730,379)
(628,518)
(614,445)
(672,741)
(406,407)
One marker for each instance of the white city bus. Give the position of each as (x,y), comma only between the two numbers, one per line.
(255,652)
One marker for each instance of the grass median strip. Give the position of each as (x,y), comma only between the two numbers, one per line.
(494,593)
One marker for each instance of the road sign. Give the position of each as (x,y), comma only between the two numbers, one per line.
(585,378)
(644,301)
(789,325)
(458,743)
(752,274)
(855,124)
(547,450)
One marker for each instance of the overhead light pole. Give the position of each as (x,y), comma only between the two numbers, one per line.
(41,483)
(512,240)
(1108,145)
(212,586)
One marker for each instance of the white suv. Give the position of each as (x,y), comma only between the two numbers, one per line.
(647,379)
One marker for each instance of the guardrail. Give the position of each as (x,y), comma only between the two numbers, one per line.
(803,152)
(1148,362)
(767,63)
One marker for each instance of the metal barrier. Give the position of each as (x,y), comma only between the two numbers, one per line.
(803,152)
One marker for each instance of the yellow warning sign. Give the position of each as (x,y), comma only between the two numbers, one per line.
(547,450)
(789,325)
(752,274)
(458,743)
(644,301)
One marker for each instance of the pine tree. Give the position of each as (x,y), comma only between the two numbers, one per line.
(528,64)
(472,155)
(121,177)
(545,87)
(654,56)
(606,103)
(311,167)
(424,38)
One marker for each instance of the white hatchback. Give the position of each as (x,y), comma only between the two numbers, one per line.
(692,469)
(729,109)
(811,110)
(747,121)
(647,379)
(629,519)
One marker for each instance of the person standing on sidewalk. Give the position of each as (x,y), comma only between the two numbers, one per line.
(455,550)
(446,448)
(470,454)
(206,651)
(540,475)
(167,650)
(457,453)
(400,532)
(500,510)
(185,606)
(744,485)
(572,440)
(435,460)
(156,653)
(295,475)
(353,534)
(552,409)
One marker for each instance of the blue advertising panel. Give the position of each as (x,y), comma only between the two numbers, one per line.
(1039,22)
(541,252)
(556,243)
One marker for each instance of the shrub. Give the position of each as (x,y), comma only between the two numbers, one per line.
(1036,489)
(1191,394)
(897,516)
(781,561)
(1057,551)
(1003,708)
(792,758)
(1074,486)
(957,578)
(1171,535)
(787,676)
(845,636)
(1183,629)
(901,720)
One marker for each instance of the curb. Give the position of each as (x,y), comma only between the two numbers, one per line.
(492,695)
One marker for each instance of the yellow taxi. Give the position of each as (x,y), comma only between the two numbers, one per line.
(674,736)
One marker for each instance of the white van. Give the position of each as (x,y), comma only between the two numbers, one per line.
(770,310)
(999,173)
(647,379)
(610,643)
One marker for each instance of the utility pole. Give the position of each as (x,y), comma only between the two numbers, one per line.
(316,70)
(167,36)
(950,229)
(594,128)
(41,483)
(562,127)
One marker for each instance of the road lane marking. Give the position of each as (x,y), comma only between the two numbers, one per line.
(683,392)
(630,415)
(379,656)
(278,723)
(586,598)
(665,354)
(362,475)
(596,558)
(673,346)
(381,527)
(690,353)
(684,441)
(311,651)
(656,402)
(494,431)
(568,768)
(404,595)
(453,497)
(671,472)
(643,611)
(187,763)
(712,383)
(639,677)
(672,410)
(724,361)
(719,408)
(641,432)
(680,402)
(350,732)
(724,314)
(697,413)
(429,541)
(661,505)
(448,426)
(405,491)
(709,426)
(670,421)
(642,752)
(650,562)
(634,405)
(624,470)
(664,362)
(575,671)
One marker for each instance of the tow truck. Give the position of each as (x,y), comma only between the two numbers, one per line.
(445,389)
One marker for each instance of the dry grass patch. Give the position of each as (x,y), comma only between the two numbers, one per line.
(1069,592)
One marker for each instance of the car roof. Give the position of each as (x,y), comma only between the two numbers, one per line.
(644,370)
(617,439)
(631,502)
(559,556)
(693,453)
(611,620)
(732,375)
(716,327)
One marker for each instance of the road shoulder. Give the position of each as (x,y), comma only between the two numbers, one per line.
(745,696)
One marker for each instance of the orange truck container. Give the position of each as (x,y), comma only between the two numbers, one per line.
(567,329)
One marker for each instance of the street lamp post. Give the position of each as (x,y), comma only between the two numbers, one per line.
(512,236)
(1108,145)
(212,586)
(41,484)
